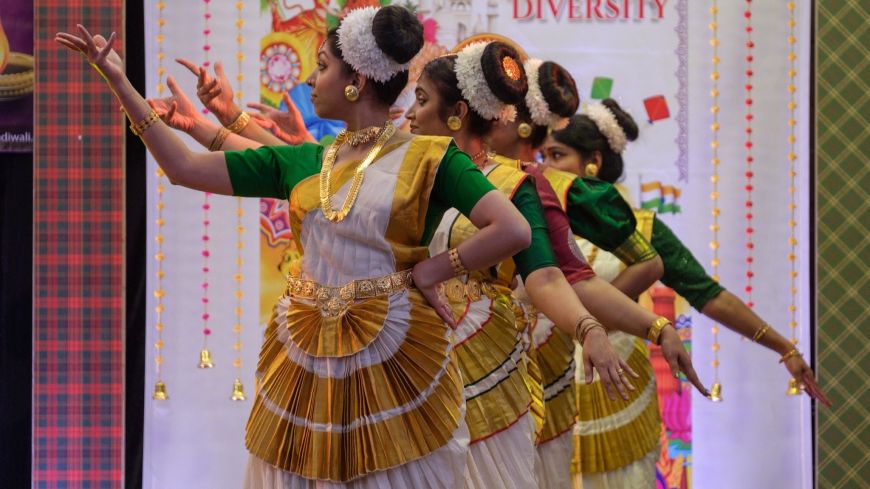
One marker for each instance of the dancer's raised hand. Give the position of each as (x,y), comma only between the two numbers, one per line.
(177,110)
(216,93)
(97,50)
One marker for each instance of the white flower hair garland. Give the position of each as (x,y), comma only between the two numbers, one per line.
(360,50)
(606,122)
(473,86)
(535,101)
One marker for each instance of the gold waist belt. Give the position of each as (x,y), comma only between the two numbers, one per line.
(333,300)
(458,291)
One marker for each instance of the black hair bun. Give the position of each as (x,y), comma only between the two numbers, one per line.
(398,33)
(625,121)
(559,89)
(504,73)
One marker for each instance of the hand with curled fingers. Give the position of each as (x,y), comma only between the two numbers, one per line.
(287,125)
(177,110)
(806,380)
(97,50)
(599,354)
(679,359)
(434,294)
(216,93)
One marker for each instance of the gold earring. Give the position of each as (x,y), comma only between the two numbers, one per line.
(524,130)
(591,170)
(351,93)
(454,123)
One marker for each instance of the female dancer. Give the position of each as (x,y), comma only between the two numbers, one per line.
(357,384)
(457,95)
(592,144)
(553,96)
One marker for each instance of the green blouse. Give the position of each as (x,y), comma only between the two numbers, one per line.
(598,213)
(683,273)
(540,253)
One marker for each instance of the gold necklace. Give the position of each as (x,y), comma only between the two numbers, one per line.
(477,157)
(355,138)
(386,132)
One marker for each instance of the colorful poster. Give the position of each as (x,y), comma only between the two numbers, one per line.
(16,76)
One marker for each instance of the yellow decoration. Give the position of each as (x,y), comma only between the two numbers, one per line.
(160,393)
(205,360)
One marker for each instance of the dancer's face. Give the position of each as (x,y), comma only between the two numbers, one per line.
(561,157)
(327,83)
(425,113)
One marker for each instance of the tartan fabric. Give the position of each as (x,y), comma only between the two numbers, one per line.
(78,367)
(842,145)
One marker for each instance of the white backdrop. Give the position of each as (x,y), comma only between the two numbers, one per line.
(758,437)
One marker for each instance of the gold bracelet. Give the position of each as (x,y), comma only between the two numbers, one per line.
(654,335)
(760,333)
(140,127)
(456,262)
(219,138)
(582,336)
(240,123)
(579,328)
(791,353)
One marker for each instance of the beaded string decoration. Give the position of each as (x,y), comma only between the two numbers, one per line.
(205,358)
(160,393)
(716,390)
(750,245)
(793,388)
(238,393)
(206,32)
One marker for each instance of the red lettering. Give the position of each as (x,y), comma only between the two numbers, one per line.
(613,9)
(597,9)
(555,8)
(660,4)
(529,9)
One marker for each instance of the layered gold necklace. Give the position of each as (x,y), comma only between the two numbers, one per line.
(384,133)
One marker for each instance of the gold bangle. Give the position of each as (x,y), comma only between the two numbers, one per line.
(579,328)
(791,353)
(219,138)
(582,336)
(146,123)
(240,123)
(456,262)
(654,335)
(760,333)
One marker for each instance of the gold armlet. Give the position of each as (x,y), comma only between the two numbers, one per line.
(760,333)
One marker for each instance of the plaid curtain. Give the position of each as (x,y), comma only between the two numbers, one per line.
(78,361)
(842,145)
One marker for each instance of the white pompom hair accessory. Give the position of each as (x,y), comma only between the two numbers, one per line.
(472,83)
(360,50)
(535,101)
(606,123)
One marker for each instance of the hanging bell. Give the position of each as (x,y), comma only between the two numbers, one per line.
(716,392)
(160,393)
(205,359)
(238,391)
(793,388)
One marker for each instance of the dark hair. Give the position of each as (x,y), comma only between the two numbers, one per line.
(583,135)
(441,71)
(559,91)
(399,34)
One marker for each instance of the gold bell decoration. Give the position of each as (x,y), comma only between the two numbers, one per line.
(205,359)
(160,393)
(793,388)
(238,391)
(716,392)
